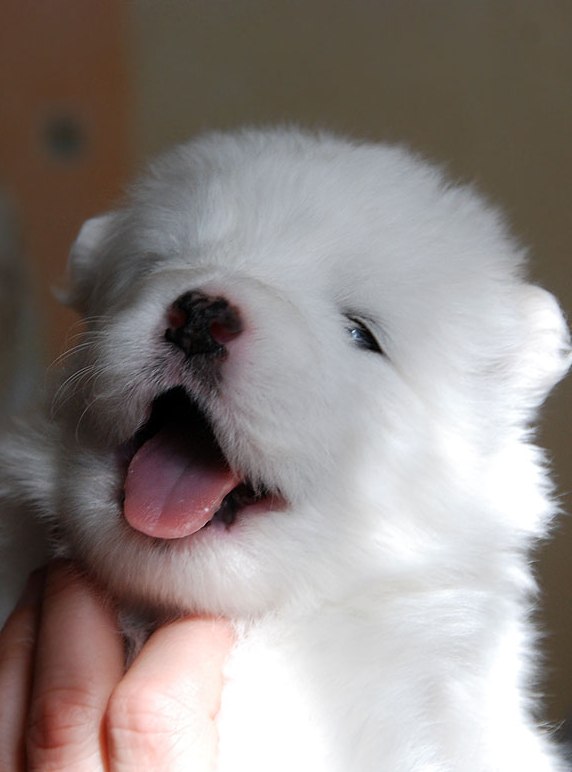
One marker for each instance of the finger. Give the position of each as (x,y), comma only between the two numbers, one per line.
(79,659)
(17,641)
(162,715)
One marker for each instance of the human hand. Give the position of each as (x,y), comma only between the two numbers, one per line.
(66,702)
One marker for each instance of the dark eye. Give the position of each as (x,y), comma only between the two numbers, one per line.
(361,336)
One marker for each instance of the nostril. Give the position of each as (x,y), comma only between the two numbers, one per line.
(201,324)
(176,317)
(226,328)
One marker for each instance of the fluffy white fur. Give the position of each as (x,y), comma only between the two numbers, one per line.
(383,617)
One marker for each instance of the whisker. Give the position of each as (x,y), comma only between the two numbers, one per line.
(84,413)
(83,324)
(61,358)
(65,391)
(86,337)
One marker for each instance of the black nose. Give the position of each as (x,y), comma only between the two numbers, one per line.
(201,324)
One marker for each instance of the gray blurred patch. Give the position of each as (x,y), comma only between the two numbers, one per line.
(20,347)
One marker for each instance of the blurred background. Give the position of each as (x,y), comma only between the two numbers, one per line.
(89,89)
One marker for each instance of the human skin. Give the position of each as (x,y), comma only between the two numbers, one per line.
(67,703)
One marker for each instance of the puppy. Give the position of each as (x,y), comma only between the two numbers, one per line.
(303,400)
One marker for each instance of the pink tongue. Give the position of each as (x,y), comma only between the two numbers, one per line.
(171,490)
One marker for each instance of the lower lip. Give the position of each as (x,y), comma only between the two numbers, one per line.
(256,509)
(268,504)
(262,507)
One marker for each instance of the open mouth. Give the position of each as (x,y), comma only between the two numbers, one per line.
(178,480)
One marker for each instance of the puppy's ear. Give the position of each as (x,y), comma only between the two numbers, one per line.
(546,354)
(82,262)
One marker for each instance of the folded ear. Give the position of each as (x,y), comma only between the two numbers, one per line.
(82,261)
(545,355)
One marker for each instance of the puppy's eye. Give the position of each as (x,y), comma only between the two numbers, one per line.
(361,336)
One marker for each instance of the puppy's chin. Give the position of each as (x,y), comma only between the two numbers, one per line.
(259,562)
(207,576)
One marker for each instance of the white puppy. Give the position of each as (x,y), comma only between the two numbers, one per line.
(303,401)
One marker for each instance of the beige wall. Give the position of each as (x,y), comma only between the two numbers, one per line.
(483,86)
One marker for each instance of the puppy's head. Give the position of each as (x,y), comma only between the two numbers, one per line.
(302,358)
